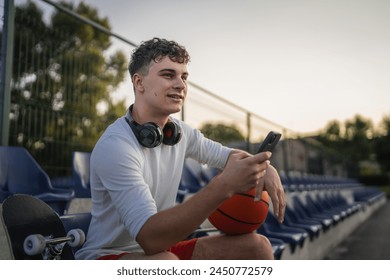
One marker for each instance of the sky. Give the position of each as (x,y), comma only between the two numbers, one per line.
(298,63)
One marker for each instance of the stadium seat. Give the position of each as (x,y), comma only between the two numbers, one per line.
(191,179)
(316,208)
(368,195)
(338,199)
(65,182)
(327,205)
(80,174)
(293,236)
(291,219)
(21,174)
(209,173)
(278,247)
(303,213)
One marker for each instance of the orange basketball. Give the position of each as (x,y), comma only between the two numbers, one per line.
(240,213)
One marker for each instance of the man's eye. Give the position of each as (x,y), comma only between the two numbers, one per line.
(168,75)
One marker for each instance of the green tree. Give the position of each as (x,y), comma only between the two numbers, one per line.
(357,140)
(331,135)
(352,139)
(382,144)
(60,73)
(222,133)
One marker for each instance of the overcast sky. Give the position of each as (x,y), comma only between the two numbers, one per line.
(299,63)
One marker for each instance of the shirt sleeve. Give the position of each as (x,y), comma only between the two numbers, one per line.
(205,150)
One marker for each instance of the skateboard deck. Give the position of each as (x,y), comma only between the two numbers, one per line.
(25,215)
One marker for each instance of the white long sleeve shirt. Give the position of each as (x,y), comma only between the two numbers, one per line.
(130,183)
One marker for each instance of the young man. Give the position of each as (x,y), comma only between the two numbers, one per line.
(136,169)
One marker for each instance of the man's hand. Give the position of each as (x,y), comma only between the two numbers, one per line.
(272,184)
(243,171)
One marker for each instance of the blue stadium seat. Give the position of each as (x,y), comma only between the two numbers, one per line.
(304,213)
(191,179)
(209,173)
(80,174)
(316,208)
(292,219)
(278,247)
(338,199)
(327,205)
(21,174)
(65,182)
(368,195)
(293,236)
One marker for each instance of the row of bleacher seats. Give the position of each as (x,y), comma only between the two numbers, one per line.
(321,210)
(20,173)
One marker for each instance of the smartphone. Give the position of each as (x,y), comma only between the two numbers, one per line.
(269,143)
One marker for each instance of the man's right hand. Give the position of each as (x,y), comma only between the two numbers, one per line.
(243,171)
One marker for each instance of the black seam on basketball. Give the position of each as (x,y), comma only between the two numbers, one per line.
(252,196)
(234,219)
(265,202)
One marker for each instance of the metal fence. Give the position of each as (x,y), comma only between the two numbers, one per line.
(53,114)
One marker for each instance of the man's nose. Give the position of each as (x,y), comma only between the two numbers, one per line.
(180,84)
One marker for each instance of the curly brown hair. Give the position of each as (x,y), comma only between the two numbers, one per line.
(155,50)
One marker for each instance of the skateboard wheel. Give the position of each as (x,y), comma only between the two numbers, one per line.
(34,244)
(77,237)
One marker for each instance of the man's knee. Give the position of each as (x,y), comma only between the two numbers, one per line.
(259,246)
(170,256)
(263,241)
(245,246)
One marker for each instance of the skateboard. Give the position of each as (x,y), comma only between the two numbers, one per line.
(36,231)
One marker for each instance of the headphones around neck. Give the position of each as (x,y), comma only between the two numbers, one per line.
(150,134)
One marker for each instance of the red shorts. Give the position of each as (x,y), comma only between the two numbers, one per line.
(183,250)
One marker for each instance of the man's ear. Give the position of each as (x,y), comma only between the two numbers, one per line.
(138,83)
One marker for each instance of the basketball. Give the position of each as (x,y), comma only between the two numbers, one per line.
(240,213)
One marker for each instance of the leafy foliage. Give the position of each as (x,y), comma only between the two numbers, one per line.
(222,133)
(356,140)
(60,73)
